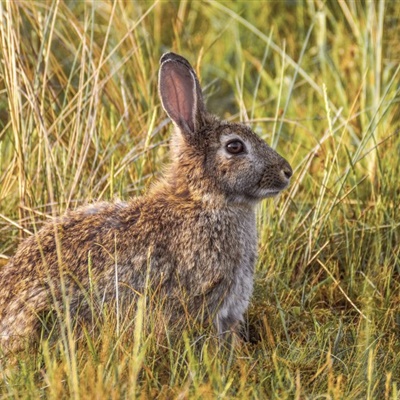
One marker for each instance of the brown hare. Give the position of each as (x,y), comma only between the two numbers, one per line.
(191,239)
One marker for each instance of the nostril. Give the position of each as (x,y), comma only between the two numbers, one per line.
(287,172)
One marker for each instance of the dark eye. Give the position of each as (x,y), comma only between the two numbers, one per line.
(235,147)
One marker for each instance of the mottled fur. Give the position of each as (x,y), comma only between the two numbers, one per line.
(192,239)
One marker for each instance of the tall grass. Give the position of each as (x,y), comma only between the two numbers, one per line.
(80,119)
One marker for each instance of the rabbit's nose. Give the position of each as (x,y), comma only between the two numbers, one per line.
(286,171)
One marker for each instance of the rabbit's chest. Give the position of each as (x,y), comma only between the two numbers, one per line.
(236,298)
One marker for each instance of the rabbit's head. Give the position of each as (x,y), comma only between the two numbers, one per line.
(214,158)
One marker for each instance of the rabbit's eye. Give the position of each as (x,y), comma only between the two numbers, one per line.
(235,147)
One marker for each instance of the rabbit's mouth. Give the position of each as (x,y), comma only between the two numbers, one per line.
(271,187)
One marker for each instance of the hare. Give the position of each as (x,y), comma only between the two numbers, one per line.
(192,238)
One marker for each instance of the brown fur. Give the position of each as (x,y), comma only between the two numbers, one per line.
(191,240)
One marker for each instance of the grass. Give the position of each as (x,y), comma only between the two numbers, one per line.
(80,119)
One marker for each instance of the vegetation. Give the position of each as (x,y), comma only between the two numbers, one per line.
(80,119)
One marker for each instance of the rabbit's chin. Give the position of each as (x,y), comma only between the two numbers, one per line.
(266,193)
(255,197)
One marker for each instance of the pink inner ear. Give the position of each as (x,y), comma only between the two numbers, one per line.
(177,90)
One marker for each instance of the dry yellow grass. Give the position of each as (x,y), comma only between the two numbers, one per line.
(80,119)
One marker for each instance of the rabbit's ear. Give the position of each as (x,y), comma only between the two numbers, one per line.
(180,93)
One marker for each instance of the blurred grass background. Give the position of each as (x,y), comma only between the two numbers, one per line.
(80,120)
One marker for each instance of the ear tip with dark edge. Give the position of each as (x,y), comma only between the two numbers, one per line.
(170,56)
(167,57)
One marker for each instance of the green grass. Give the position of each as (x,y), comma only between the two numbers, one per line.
(80,120)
